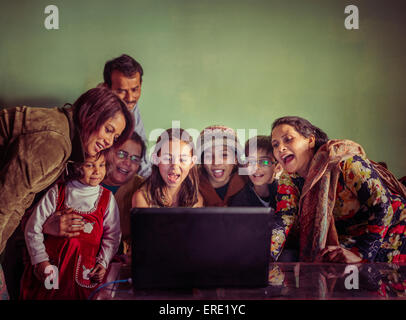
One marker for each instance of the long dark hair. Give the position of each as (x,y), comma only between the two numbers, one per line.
(305,128)
(93,108)
(155,185)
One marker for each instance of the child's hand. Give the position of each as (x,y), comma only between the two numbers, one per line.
(39,270)
(276,170)
(98,273)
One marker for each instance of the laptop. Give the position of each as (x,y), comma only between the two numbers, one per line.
(200,247)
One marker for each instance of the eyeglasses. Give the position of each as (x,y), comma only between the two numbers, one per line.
(121,154)
(261,162)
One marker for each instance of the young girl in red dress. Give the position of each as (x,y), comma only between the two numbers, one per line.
(81,261)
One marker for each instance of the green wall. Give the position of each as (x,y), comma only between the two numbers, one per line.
(238,63)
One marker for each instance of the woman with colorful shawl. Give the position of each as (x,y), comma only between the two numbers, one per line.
(350,208)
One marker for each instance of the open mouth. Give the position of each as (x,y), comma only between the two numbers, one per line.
(218,173)
(99,147)
(257,177)
(287,159)
(131,104)
(173,177)
(123,171)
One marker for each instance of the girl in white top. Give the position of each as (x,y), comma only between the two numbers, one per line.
(81,261)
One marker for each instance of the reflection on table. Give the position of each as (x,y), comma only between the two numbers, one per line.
(286,281)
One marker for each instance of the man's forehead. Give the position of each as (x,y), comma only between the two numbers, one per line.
(119,77)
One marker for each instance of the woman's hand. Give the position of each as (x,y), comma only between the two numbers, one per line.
(64,224)
(98,273)
(337,254)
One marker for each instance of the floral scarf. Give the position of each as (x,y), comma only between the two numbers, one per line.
(316,221)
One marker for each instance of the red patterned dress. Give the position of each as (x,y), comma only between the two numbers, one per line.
(74,257)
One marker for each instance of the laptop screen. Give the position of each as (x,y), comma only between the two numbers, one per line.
(200,247)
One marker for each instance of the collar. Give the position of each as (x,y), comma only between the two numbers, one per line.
(211,198)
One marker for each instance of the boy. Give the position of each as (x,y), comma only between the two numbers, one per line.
(261,189)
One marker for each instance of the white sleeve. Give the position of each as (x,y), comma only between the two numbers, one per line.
(34,237)
(111,233)
(145,165)
(138,124)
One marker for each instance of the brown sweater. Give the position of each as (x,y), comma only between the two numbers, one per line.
(210,196)
(35,145)
(124,201)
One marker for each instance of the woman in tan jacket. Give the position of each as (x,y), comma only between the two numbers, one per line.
(37,143)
